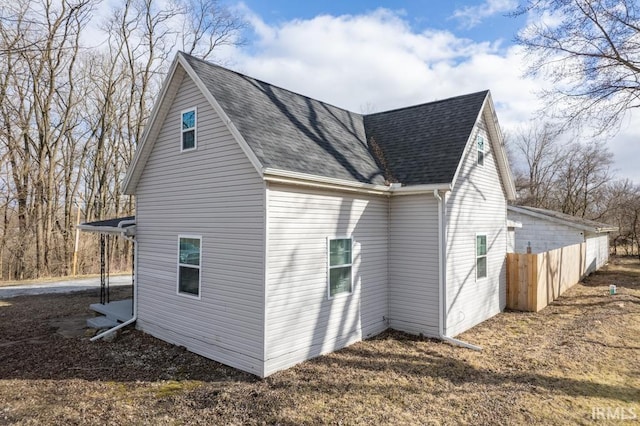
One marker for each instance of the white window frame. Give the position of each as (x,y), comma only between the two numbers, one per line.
(195,130)
(482,151)
(485,256)
(329,267)
(198,267)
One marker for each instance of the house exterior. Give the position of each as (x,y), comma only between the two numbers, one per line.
(272,228)
(544,230)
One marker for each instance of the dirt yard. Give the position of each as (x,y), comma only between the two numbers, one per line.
(575,362)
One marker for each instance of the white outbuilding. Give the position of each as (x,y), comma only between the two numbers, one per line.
(544,230)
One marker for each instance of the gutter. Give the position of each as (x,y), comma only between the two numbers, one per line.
(442,291)
(135,283)
(315,181)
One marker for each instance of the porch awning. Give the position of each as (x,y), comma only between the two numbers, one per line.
(119,225)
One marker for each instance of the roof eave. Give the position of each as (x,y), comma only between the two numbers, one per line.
(134,172)
(580,226)
(115,230)
(497,142)
(310,180)
(152,128)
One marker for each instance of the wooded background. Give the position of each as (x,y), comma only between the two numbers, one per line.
(75,96)
(71,113)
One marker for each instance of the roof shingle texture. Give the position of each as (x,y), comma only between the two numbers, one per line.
(424,144)
(288,131)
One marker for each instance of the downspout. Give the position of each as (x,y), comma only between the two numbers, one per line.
(135,285)
(442,290)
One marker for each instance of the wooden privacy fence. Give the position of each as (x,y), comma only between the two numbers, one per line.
(535,280)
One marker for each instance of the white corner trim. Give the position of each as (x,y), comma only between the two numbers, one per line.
(265,288)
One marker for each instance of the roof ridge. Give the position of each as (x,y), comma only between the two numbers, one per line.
(243,75)
(452,98)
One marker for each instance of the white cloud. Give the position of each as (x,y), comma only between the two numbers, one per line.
(373,60)
(376,60)
(471,16)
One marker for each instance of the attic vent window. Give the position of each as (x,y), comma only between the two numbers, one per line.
(480,151)
(188,130)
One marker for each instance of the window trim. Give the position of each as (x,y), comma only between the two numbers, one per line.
(329,267)
(485,256)
(480,162)
(195,130)
(198,267)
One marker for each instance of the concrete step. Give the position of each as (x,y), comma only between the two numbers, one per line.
(101,322)
(120,310)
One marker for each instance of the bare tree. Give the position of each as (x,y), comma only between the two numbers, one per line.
(207,25)
(623,210)
(540,153)
(558,175)
(70,118)
(582,178)
(589,50)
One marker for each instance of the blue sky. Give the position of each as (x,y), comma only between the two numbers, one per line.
(369,56)
(476,20)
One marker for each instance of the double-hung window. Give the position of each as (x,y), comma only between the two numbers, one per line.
(480,143)
(188,130)
(481,256)
(339,265)
(189,260)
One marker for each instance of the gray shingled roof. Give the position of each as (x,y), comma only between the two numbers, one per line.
(415,145)
(424,143)
(292,132)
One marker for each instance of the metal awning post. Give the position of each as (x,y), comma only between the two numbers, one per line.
(133,272)
(102,270)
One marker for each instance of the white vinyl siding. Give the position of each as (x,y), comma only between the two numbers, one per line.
(477,205)
(543,235)
(548,234)
(413,264)
(597,251)
(301,321)
(215,193)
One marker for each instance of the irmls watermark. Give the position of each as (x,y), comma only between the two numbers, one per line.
(614,413)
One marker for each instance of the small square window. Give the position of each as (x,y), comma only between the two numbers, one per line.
(189,258)
(480,142)
(339,266)
(481,256)
(188,129)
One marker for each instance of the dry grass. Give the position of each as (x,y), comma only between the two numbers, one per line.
(558,366)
